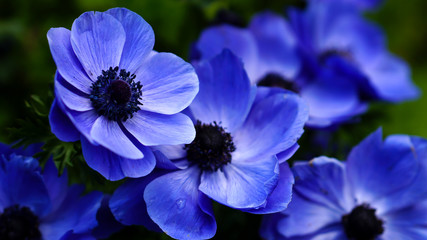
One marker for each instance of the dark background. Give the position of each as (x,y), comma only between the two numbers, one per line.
(26,66)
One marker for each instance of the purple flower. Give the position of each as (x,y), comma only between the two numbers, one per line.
(37,204)
(379,193)
(117,95)
(359,4)
(231,161)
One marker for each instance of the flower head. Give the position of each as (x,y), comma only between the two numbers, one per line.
(232,160)
(40,205)
(327,53)
(117,95)
(377,194)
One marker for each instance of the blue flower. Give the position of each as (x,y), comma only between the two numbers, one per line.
(40,205)
(232,159)
(117,95)
(379,193)
(328,54)
(346,61)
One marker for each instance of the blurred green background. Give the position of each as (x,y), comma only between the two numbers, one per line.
(26,66)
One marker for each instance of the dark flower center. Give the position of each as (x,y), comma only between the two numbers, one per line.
(19,223)
(212,147)
(275,80)
(324,56)
(362,223)
(116,95)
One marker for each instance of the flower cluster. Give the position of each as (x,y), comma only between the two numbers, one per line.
(220,131)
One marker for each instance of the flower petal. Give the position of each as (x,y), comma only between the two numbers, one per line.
(273,125)
(169,83)
(73,100)
(114,167)
(56,185)
(242,184)
(280,197)
(373,163)
(225,94)
(391,78)
(323,181)
(157,129)
(61,125)
(127,203)
(214,40)
(66,61)
(276,46)
(97,39)
(174,203)
(109,134)
(139,38)
(75,213)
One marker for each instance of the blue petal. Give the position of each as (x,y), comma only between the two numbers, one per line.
(409,191)
(273,125)
(276,46)
(21,183)
(323,181)
(61,126)
(242,184)
(139,38)
(83,121)
(408,223)
(114,167)
(75,213)
(285,155)
(169,83)
(241,42)
(376,169)
(330,96)
(128,206)
(280,197)
(56,185)
(391,78)
(97,39)
(107,224)
(73,100)
(225,94)
(109,134)
(66,61)
(157,129)
(174,203)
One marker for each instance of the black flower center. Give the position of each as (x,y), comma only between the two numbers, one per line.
(116,95)
(212,147)
(19,223)
(275,80)
(362,223)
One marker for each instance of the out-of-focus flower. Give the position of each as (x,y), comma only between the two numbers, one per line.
(232,159)
(329,54)
(117,95)
(379,193)
(37,204)
(346,62)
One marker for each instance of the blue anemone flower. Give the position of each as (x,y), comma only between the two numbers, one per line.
(379,193)
(231,161)
(328,54)
(335,40)
(37,204)
(117,95)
